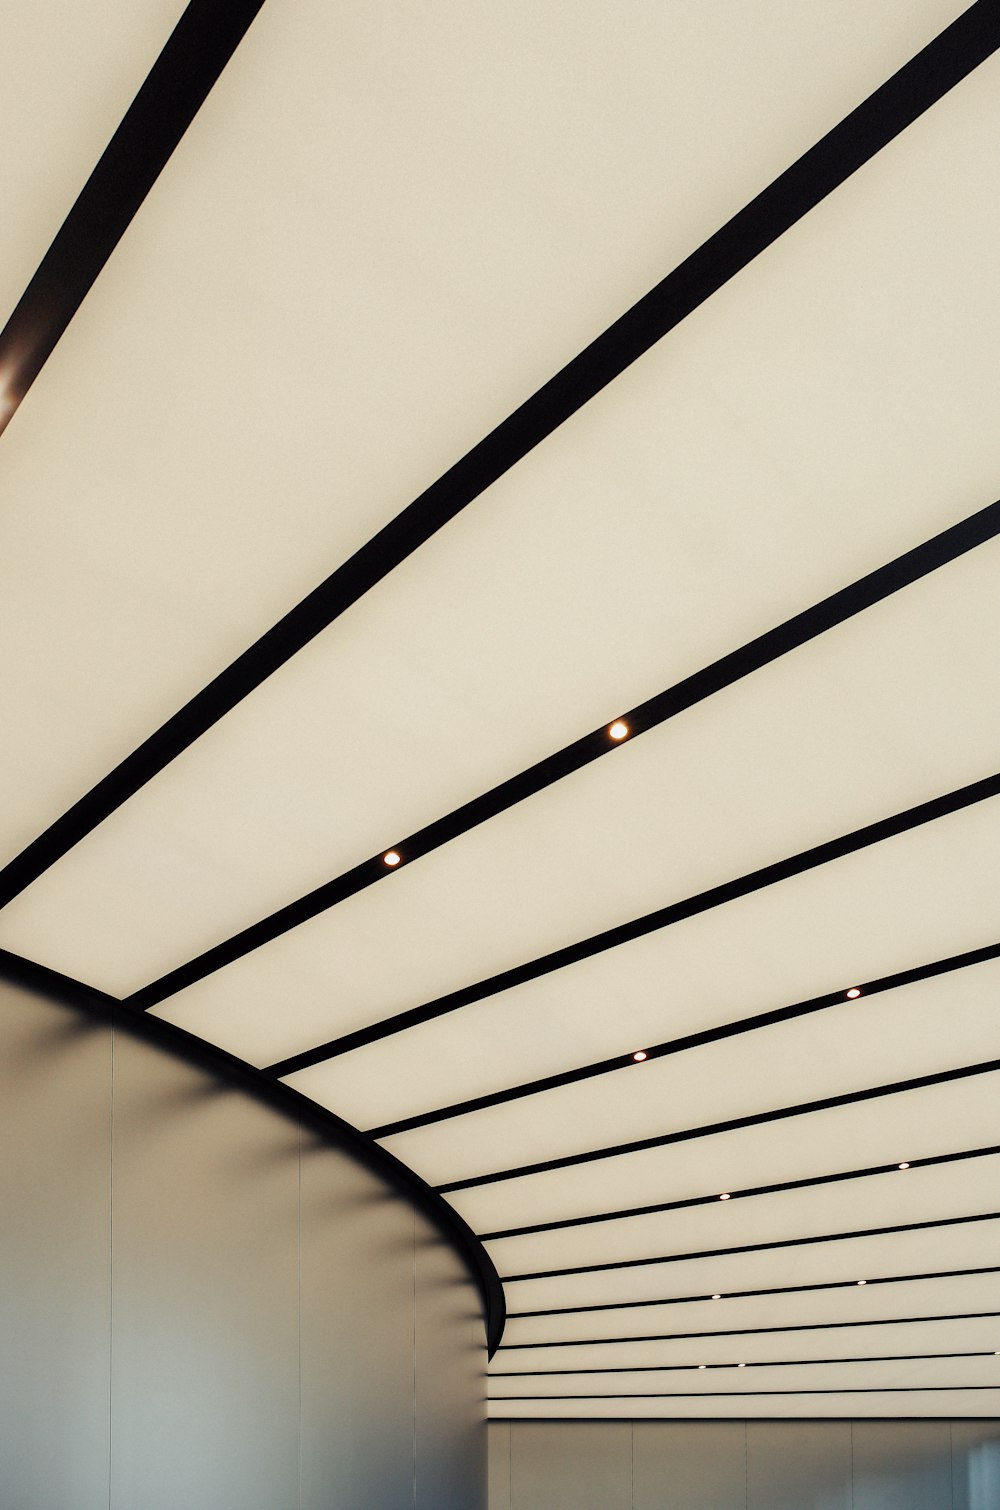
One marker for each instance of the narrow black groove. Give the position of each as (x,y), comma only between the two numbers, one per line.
(740,1394)
(306,1113)
(651,922)
(680,1300)
(749,1331)
(918,85)
(755,1190)
(731,1124)
(850,601)
(688,1041)
(677,1368)
(200,46)
(769,1247)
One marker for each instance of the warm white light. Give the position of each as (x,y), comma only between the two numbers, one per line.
(391,857)
(853,992)
(724,1196)
(741,1365)
(639,1056)
(903,1166)
(618,730)
(703,1365)
(716,1297)
(862,1281)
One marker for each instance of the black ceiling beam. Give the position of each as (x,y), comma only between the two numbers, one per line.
(202,43)
(676,1368)
(730,1124)
(748,1331)
(918,85)
(689,1041)
(812,1183)
(768,1247)
(651,922)
(766,648)
(676,1300)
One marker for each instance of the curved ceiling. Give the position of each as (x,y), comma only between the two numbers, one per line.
(554,447)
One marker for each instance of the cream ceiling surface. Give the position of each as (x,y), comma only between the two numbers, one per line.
(381,233)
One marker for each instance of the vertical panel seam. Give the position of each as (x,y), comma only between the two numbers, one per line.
(111,1270)
(746,1464)
(852,1464)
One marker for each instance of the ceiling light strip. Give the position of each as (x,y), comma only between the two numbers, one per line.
(730,1124)
(751,1191)
(918,85)
(749,1331)
(873,588)
(768,1247)
(691,1041)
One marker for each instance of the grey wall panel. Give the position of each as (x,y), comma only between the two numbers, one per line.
(498,1439)
(902,1465)
(55,1076)
(975,1465)
(689,1465)
(357,1338)
(583,1465)
(205,1293)
(799,1465)
(450,1374)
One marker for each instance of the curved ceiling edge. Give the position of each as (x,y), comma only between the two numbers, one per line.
(282,1098)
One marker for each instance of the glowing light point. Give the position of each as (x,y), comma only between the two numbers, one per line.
(862,1281)
(391,858)
(618,730)
(902,1166)
(853,993)
(725,1196)
(639,1056)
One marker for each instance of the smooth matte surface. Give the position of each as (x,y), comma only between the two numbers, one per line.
(745,1465)
(209,1309)
(588,1466)
(688,1466)
(55,1247)
(807,1467)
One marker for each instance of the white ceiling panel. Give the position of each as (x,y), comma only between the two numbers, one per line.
(68,73)
(316,772)
(937,1024)
(854,1304)
(941,1403)
(911,1196)
(934,1249)
(912,1125)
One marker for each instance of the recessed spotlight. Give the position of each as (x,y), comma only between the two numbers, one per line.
(862,1281)
(640,1055)
(741,1365)
(902,1166)
(702,1365)
(716,1297)
(853,992)
(725,1196)
(618,730)
(391,857)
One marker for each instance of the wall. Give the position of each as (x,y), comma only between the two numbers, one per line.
(203,1306)
(745,1465)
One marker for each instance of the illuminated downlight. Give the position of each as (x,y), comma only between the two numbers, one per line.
(902,1166)
(724,1196)
(853,993)
(391,857)
(618,730)
(639,1056)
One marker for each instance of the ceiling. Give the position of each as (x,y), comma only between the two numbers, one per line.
(412,394)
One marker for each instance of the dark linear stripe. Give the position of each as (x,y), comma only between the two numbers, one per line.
(690,1041)
(246,1078)
(918,85)
(750,1191)
(680,1300)
(652,922)
(203,41)
(750,1331)
(769,1247)
(730,1124)
(850,601)
(676,1368)
(739,1394)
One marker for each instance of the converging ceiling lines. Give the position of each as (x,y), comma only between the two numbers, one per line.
(406,709)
